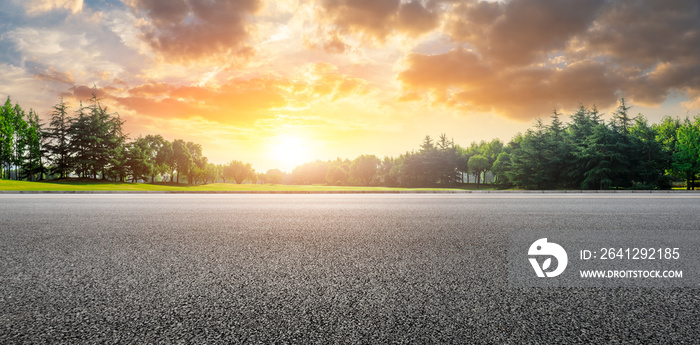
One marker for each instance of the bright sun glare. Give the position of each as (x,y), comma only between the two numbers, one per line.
(289,150)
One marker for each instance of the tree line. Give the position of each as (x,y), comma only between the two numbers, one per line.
(587,152)
(89,143)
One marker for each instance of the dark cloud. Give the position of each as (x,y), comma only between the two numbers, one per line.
(520,31)
(524,57)
(646,33)
(376,20)
(413,18)
(461,80)
(192,30)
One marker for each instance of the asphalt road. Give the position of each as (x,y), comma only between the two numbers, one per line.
(377,269)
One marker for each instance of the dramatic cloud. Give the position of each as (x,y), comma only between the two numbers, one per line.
(525,57)
(186,30)
(519,32)
(462,80)
(344,70)
(654,44)
(376,20)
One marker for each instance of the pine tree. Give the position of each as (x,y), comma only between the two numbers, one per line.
(58,140)
(34,166)
(621,120)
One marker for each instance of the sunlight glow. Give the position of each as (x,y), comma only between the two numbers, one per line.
(289,151)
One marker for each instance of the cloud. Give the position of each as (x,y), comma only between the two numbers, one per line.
(65,52)
(461,79)
(197,30)
(84,93)
(36,7)
(414,19)
(519,32)
(324,80)
(655,44)
(374,21)
(521,58)
(235,102)
(51,74)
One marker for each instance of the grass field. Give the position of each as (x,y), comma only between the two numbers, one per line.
(7,185)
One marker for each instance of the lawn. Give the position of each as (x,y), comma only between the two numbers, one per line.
(7,185)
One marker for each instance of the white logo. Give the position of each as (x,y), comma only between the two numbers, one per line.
(542,247)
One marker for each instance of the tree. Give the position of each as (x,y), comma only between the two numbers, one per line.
(34,167)
(686,158)
(501,167)
(139,159)
(19,142)
(181,157)
(96,140)
(274,176)
(651,160)
(427,143)
(7,132)
(583,122)
(310,172)
(364,169)
(211,173)
(528,158)
(198,163)
(155,146)
(336,175)
(388,171)
(621,120)
(463,163)
(604,160)
(238,171)
(58,140)
(165,159)
(478,165)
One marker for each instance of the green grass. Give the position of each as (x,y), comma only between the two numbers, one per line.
(7,185)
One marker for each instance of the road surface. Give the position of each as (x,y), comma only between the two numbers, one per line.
(427,268)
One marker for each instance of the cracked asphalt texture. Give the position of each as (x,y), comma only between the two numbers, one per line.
(372,269)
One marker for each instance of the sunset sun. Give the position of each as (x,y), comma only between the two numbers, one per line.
(289,150)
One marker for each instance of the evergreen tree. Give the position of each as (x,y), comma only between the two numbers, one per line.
(528,160)
(58,140)
(621,120)
(651,160)
(34,165)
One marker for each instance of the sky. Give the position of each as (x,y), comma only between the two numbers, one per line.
(278,83)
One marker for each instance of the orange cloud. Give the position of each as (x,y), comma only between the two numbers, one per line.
(238,101)
(460,79)
(324,80)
